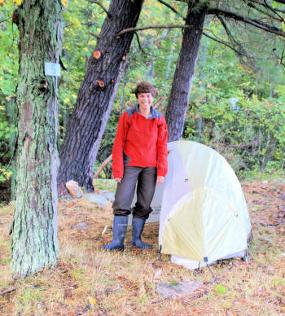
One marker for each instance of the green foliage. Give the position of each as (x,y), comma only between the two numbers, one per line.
(256,80)
(220,289)
(250,134)
(8,81)
(7,134)
(236,110)
(8,52)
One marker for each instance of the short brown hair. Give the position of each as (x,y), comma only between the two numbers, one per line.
(145,87)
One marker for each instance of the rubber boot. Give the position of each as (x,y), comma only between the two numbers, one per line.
(138,225)
(120,226)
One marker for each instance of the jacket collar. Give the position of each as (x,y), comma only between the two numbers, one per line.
(152,115)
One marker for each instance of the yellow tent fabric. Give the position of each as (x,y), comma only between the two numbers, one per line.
(204,216)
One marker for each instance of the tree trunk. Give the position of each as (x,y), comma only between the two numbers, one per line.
(181,86)
(202,63)
(34,230)
(96,95)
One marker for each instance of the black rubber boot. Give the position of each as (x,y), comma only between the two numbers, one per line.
(138,225)
(120,226)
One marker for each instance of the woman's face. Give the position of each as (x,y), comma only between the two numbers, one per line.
(145,101)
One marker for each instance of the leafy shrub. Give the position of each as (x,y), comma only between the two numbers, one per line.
(249,134)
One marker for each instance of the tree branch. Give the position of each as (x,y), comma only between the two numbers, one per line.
(268,6)
(227,29)
(94,35)
(102,166)
(136,29)
(139,43)
(7,291)
(102,7)
(256,23)
(220,41)
(282,57)
(274,10)
(241,51)
(280,1)
(253,6)
(172,9)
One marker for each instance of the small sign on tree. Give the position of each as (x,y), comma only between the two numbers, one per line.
(52,69)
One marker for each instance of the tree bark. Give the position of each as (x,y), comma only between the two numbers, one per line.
(181,86)
(96,95)
(34,230)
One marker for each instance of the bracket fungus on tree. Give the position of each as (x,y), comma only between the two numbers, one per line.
(100,84)
(97,54)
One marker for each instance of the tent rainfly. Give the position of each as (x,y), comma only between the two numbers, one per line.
(203,212)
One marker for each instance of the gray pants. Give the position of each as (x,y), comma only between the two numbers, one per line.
(145,178)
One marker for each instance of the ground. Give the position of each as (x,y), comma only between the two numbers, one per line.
(90,281)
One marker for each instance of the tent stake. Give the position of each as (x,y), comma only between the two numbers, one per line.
(159,252)
(212,273)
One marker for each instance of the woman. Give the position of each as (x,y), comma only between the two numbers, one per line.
(139,157)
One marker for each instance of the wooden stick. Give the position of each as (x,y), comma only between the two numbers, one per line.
(102,166)
(7,291)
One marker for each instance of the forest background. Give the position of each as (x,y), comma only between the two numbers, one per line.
(236,102)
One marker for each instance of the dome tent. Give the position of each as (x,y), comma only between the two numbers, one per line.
(203,216)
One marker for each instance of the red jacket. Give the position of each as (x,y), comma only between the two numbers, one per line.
(140,142)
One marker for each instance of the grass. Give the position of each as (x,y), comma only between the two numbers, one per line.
(90,281)
(267,175)
(104,184)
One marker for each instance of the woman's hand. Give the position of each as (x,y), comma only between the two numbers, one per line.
(160,179)
(118,180)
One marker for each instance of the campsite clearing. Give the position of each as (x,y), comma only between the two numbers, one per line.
(89,281)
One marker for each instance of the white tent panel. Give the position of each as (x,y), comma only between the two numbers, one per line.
(207,168)
(199,227)
(176,183)
(203,213)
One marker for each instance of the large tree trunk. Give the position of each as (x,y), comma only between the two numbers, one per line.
(96,95)
(181,86)
(34,231)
